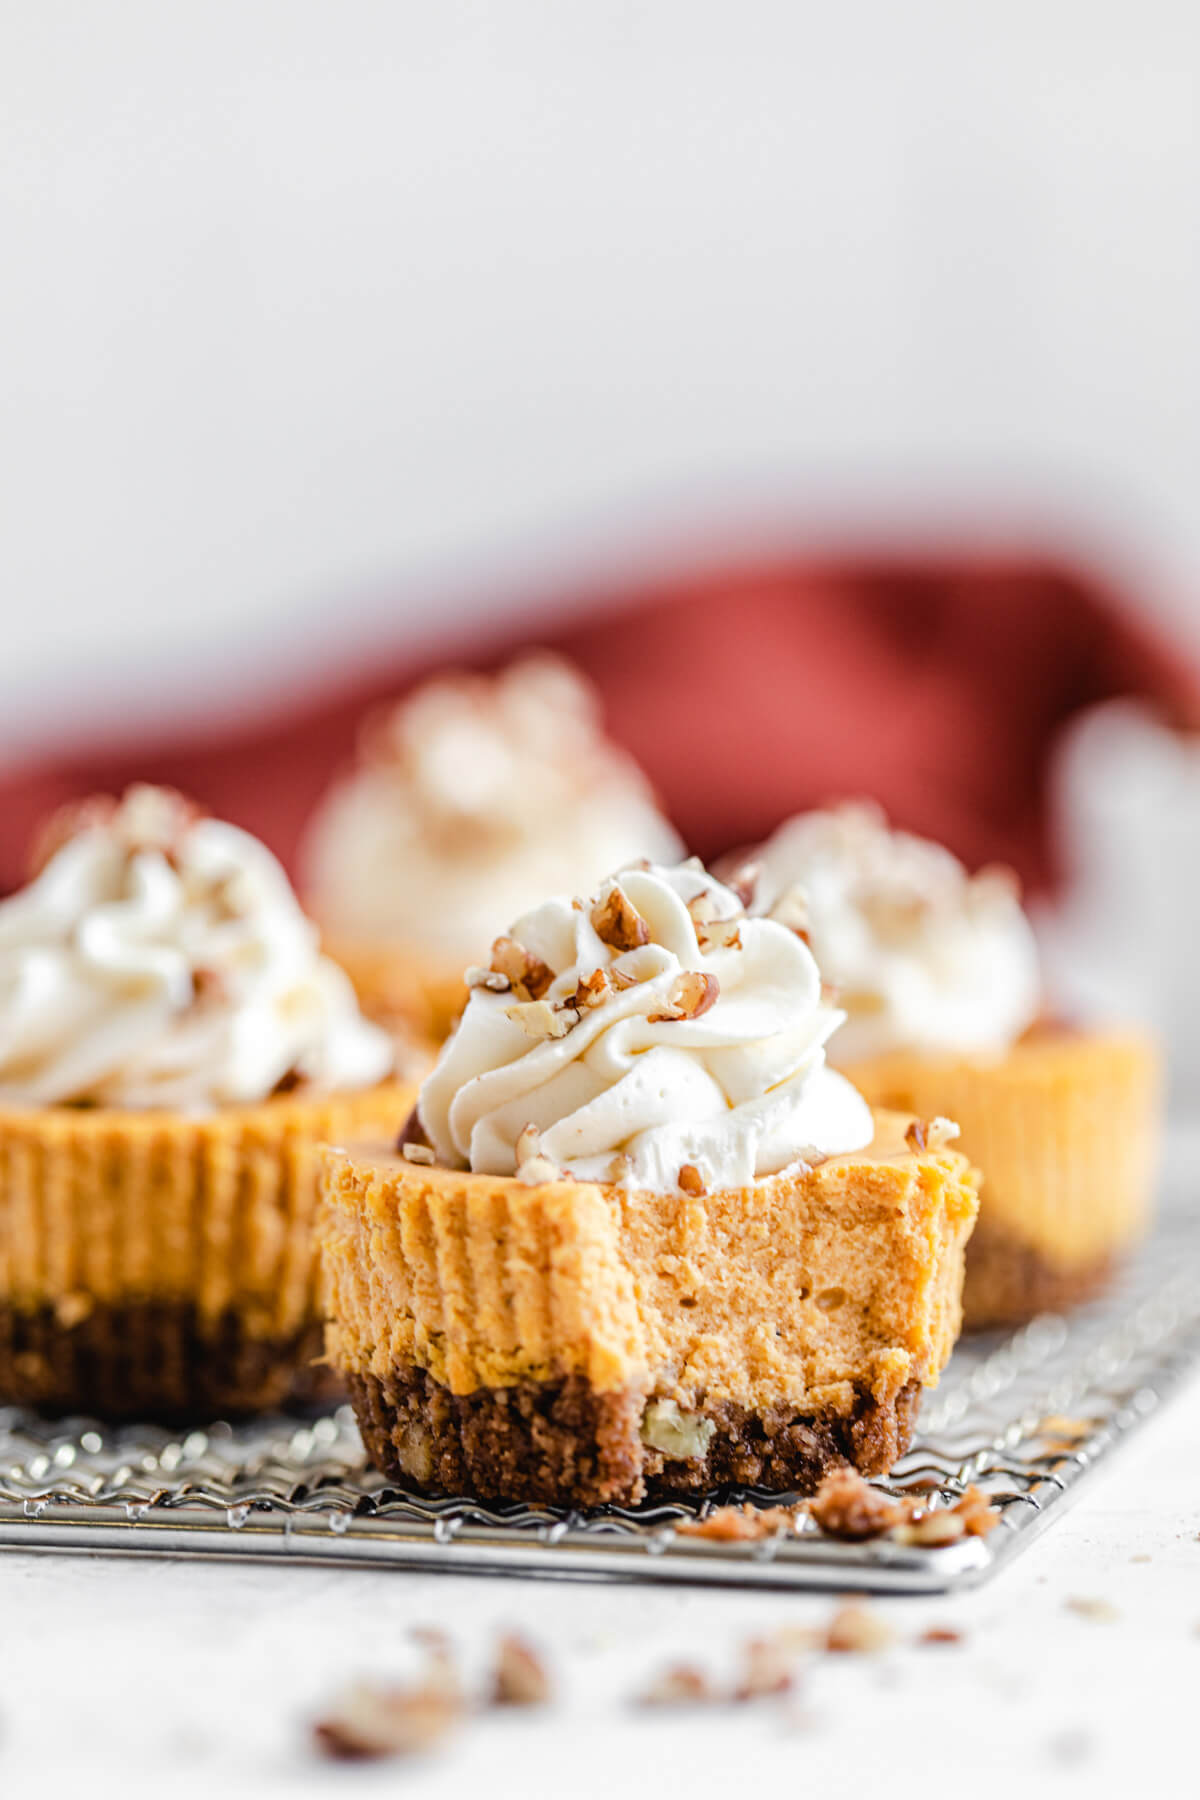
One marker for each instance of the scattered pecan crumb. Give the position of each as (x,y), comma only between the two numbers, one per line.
(855,1629)
(369,1721)
(977,1513)
(1101,1612)
(940,1634)
(931,1529)
(681,1685)
(617,921)
(529,975)
(622,978)
(691,996)
(767,1669)
(520,1677)
(845,1506)
(739,1524)
(914,1137)
(418,1153)
(691,1180)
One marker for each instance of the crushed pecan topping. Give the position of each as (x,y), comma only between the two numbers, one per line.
(418,1153)
(691,1180)
(491,979)
(744,881)
(681,1685)
(691,996)
(617,921)
(791,911)
(940,1634)
(621,978)
(412,1133)
(845,1506)
(146,817)
(930,1134)
(520,1677)
(538,1019)
(591,990)
(528,975)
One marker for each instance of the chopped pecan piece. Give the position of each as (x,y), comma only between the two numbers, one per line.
(413,1133)
(520,1677)
(767,1669)
(617,921)
(855,1630)
(940,1634)
(538,1019)
(591,990)
(418,1153)
(739,1524)
(691,1180)
(744,881)
(930,1134)
(369,1722)
(530,977)
(845,1506)
(682,1685)
(977,1513)
(691,996)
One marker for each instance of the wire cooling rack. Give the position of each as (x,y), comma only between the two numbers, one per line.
(1025,1418)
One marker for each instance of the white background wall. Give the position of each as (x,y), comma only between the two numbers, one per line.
(308,311)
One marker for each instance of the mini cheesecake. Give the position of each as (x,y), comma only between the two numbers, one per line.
(472,798)
(1065,1128)
(937,973)
(579,1344)
(173,1050)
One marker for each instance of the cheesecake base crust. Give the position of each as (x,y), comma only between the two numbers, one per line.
(1007,1282)
(561,1443)
(157,1360)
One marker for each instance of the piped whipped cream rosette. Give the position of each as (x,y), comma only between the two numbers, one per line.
(652,1037)
(173,1050)
(937,972)
(160,959)
(922,954)
(471,800)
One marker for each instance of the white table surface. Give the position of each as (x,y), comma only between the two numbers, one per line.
(188,1678)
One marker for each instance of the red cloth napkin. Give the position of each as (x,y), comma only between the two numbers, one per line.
(936,685)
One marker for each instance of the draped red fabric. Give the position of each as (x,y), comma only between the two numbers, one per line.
(936,685)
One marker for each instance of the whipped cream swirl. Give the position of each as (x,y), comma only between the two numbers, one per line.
(160,958)
(654,1037)
(922,955)
(472,800)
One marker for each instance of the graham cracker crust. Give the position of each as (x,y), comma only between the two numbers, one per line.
(1007,1283)
(562,1444)
(157,1360)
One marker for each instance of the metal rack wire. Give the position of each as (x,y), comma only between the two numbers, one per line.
(1026,1418)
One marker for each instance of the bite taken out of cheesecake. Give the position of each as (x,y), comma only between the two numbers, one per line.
(637,1237)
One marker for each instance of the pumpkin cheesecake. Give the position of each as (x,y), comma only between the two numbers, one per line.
(173,1049)
(471,800)
(637,1237)
(937,972)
